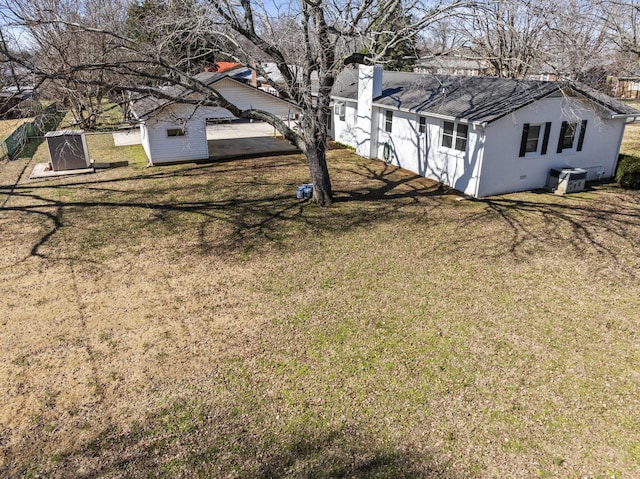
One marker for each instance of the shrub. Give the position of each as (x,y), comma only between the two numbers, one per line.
(628,172)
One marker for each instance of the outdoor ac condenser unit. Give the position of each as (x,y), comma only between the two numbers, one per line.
(68,150)
(566,180)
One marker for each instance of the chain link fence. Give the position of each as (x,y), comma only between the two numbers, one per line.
(45,121)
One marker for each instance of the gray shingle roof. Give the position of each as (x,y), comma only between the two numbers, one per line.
(144,105)
(475,99)
(147,104)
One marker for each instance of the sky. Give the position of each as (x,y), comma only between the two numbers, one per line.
(16,37)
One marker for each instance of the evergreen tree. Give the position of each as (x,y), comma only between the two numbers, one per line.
(394,41)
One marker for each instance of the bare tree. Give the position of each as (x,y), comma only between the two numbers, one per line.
(578,46)
(510,35)
(569,39)
(65,36)
(622,20)
(320,37)
(443,39)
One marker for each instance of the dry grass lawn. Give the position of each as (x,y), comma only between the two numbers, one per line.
(199,321)
(631,140)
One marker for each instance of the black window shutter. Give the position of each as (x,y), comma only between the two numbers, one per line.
(583,128)
(563,128)
(545,138)
(523,141)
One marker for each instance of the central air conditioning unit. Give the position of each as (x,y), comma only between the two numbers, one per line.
(566,180)
(68,150)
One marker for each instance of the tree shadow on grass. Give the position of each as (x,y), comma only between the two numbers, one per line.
(184,440)
(379,181)
(583,225)
(259,208)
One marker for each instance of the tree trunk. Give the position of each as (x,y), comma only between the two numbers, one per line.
(317,158)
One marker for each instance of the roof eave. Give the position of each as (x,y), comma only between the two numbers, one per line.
(614,114)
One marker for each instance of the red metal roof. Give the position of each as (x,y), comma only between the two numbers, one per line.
(220,67)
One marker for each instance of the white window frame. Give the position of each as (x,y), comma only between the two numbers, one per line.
(577,143)
(538,140)
(541,139)
(176,132)
(422,125)
(388,121)
(571,125)
(456,137)
(340,110)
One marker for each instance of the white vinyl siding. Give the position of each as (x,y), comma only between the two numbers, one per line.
(163,139)
(504,172)
(344,131)
(248,97)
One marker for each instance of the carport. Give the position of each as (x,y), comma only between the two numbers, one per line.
(173,131)
(232,139)
(245,138)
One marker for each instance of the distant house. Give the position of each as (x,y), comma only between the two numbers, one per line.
(544,75)
(627,87)
(483,136)
(451,65)
(174,131)
(250,75)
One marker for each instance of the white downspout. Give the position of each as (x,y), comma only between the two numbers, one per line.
(481,128)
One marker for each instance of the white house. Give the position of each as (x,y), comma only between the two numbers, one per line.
(482,136)
(172,131)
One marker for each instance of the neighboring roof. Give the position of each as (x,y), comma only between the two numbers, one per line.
(475,99)
(221,67)
(274,75)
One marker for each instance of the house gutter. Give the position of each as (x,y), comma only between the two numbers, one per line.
(343,98)
(617,158)
(480,124)
(622,115)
